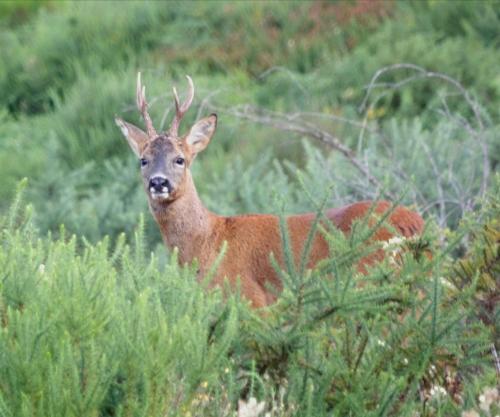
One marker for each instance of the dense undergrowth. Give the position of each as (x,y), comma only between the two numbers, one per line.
(92,324)
(109,329)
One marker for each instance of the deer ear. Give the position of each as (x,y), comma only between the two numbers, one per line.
(200,134)
(136,138)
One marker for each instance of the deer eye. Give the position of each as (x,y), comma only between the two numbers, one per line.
(179,161)
(143,162)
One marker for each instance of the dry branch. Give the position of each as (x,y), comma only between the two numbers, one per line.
(477,133)
(304,123)
(295,123)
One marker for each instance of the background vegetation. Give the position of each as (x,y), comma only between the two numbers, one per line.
(367,98)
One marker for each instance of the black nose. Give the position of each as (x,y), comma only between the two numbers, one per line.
(159,183)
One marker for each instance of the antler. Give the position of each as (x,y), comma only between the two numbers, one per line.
(181,110)
(142,105)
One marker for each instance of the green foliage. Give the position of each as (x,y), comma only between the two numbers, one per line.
(112,330)
(480,267)
(92,325)
(41,61)
(16,12)
(94,330)
(75,83)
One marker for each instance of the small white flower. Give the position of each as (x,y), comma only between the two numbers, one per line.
(381,343)
(446,283)
(396,240)
(251,408)
(437,391)
(405,361)
(393,241)
(41,269)
(393,247)
(488,397)
(392,261)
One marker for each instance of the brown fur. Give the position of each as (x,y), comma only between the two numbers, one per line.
(251,238)
(199,234)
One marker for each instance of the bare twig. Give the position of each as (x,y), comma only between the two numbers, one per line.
(289,73)
(496,359)
(422,73)
(454,196)
(295,123)
(439,185)
(205,103)
(163,120)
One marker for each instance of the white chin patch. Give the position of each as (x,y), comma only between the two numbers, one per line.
(155,195)
(160,196)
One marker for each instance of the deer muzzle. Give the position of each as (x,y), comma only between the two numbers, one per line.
(159,187)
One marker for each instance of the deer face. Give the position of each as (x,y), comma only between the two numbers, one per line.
(163,168)
(165,158)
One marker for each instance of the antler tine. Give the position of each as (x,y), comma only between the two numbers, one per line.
(180,110)
(142,105)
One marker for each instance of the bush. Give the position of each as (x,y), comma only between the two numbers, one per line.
(78,83)
(99,330)
(65,347)
(97,318)
(42,62)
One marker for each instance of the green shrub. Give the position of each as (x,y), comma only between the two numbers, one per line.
(78,83)
(92,325)
(42,57)
(101,330)
(93,330)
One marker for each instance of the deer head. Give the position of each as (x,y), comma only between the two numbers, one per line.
(165,158)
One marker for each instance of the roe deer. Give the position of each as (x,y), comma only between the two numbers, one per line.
(185,223)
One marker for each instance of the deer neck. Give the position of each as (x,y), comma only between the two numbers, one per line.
(184,223)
